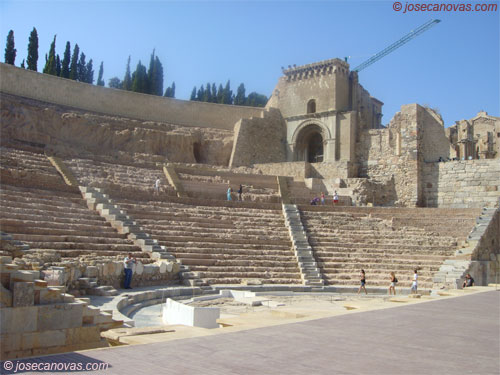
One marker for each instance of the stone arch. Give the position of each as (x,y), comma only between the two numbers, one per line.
(309,141)
(311,106)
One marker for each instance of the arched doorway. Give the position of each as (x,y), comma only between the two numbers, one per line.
(310,144)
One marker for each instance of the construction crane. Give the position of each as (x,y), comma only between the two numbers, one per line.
(426,26)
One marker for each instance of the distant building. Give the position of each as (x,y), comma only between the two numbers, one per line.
(477,138)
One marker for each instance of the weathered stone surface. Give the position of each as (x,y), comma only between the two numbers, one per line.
(60,316)
(5,297)
(20,319)
(23,294)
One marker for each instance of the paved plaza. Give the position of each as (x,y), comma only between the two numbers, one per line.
(450,336)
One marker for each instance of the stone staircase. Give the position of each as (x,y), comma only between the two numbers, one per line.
(65,173)
(123,223)
(221,245)
(303,251)
(452,272)
(345,241)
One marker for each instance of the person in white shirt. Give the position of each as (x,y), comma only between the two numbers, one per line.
(414,285)
(157,186)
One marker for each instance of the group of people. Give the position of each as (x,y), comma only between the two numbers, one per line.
(393,282)
(469,281)
(316,200)
(230,193)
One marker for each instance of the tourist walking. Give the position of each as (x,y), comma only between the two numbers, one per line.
(157,186)
(240,192)
(392,286)
(229,191)
(322,198)
(335,198)
(414,285)
(362,279)
(128,263)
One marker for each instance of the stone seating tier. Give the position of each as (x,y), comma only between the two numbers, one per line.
(47,220)
(222,245)
(344,244)
(103,174)
(30,159)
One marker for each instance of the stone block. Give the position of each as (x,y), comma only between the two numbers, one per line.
(91,271)
(139,268)
(163,267)
(79,335)
(5,297)
(40,284)
(10,342)
(60,316)
(34,340)
(49,295)
(4,259)
(23,294)
(18,319)
(151,269)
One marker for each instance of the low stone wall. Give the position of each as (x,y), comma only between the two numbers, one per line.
(467,183)
(299,169)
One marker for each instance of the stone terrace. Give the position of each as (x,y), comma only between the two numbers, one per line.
(222,244)
(381,240)
(212,183)
(126,179)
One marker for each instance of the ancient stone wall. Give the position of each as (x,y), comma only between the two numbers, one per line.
(485,267)
(467,183)
(433,143)
(392,153)
(69,132)
(259,140)
(48,88)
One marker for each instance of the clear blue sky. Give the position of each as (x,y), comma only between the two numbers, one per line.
(453,67)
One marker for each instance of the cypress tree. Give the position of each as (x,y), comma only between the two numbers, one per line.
(239,99)
(208,93)
(200,94)
(140,79)
(82,68)
(100,81)
(90,72)
(10,51)
(22,64)
(50,62)
(227,95)
(127,80)
(220,94)
(73,68)
(172,93)
(155,76)
(214,93)
(32,58)
(193,94)
(66,61)
(58,66)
